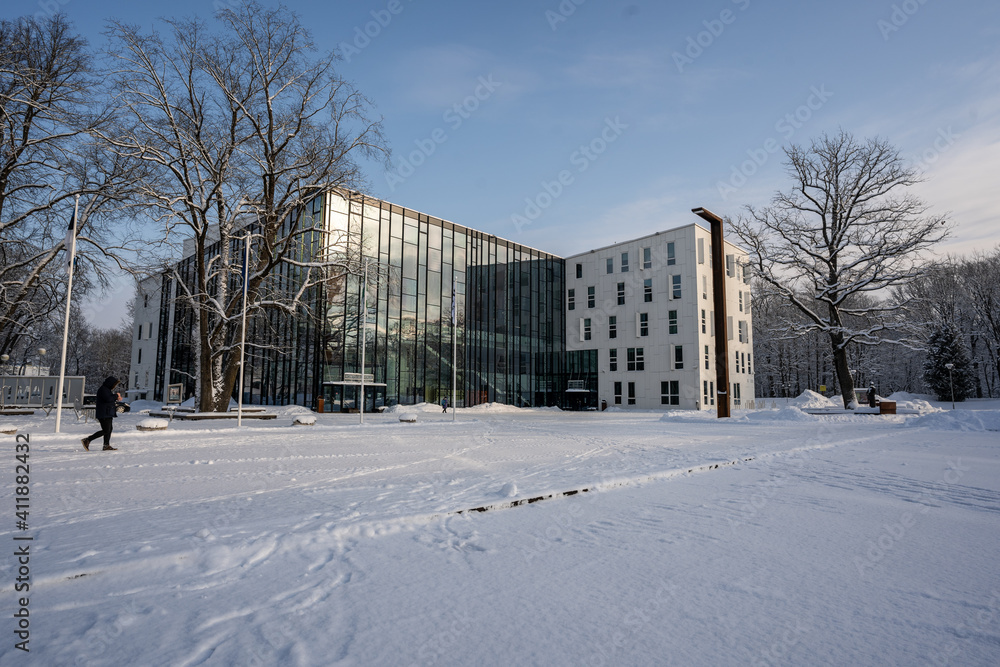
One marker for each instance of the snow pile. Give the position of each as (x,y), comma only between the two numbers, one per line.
(788,414)
(418,407)
(304,420)
(152,424)
(291,410)
(689,416)
(409,417)
(920,406)
(959,420)
(494,407)
(509,490)
(907,397)
(139,406)
(809,399)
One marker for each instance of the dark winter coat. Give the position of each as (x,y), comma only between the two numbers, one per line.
(107,400)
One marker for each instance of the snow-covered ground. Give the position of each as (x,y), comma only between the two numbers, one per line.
(774,538)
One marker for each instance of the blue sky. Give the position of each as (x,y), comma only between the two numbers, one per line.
(579,124)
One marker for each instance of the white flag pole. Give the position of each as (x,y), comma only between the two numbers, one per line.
(69,296)
(364,340)
(243,331)
(454,348)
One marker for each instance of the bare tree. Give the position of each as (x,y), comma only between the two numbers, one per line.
(49,156)
(241,129)
(847,229)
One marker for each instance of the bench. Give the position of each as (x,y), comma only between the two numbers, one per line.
(196,416)
(86,411)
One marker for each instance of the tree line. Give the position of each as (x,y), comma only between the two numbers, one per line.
(216,134)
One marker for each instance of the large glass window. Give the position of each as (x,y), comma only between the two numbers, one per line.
(635,359)
(670,392)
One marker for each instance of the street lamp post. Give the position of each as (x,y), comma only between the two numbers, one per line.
(951,381)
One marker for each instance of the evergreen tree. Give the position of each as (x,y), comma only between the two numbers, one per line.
(945,347)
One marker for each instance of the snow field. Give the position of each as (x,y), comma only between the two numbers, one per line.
(816,540)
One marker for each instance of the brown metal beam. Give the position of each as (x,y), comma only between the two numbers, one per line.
(719,300)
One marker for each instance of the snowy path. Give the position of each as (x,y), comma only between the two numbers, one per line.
(840,542)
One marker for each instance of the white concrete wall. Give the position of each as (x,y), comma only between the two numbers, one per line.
(695,271)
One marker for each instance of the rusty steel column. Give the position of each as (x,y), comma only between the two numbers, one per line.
(719,300)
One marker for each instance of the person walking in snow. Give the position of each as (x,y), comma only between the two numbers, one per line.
(106,411)
(444,404)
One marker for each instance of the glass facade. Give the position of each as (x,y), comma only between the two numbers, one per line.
(508,334)
(507,340)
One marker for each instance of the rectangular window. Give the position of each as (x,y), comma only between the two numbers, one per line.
(711,392)
(635,360)
(704,393)
(672,321)
(671,258)
(613,360)
(612,326)
(701,251)
(621,294)
(746,303)
(670,393)
(571,300)
(675,287)
(749,363)
(730,265)
(741,301)
(707,357)
(736,394)
(744,333)
(591,298)
(140,332)
(618,393)
(631,393)
(746,274)
(145,301)
(586,328)
(139,361)
(704,329)
(736,369)
(579,270)
(647,258)
(704,287)
(624,262)
(611,265)
(678,357)
(149,332)
(647,290)
(729,327)
(643,324)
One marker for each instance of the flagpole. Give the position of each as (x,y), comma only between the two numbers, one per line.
(243,332)
(364,339)
(69,296)
(454,348)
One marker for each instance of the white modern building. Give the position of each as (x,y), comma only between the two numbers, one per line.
(646,307)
